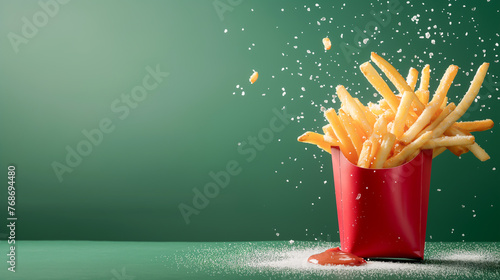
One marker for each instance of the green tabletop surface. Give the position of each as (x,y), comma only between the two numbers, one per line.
(238,260)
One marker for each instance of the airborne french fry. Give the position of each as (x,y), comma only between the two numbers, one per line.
(345,143)
(475,125)
(327,43)
(254,77)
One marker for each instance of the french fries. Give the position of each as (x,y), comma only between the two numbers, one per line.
(254,77)
(464,103)
(437,151)
(412,77)
(351,131)
(345,143)
(327,43)
(364,157)
(475,125)
(353,109)
(395,78)
(323,141)
(403,109)
(407,151)
(446,141)
(384,150)
(394,130)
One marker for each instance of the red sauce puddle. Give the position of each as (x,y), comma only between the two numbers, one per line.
(335,256)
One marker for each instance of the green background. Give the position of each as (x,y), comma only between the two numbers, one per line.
(64,79)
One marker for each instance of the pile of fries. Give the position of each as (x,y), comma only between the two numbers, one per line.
(399,126)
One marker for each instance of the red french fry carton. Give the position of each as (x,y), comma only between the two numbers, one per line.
(382,213)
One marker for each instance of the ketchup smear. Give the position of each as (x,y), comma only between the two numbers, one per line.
(335,256)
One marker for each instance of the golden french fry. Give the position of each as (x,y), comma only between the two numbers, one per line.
(328,131)
(475,125)
(423,90)
(407,151)
(479,152)
(389,115)
(364,160)
(433,107)
(345,143)
(379,130)
(412,156)
(380,127)
(464,103)
(418,129)
(424,80)
(423,96)
(357,125)
(325,147)
(444,85)
(327,43)
(375,109)
(395,78)
(456,150)
(384,150)
(443,114)
(402,114)
(254,77)
(445,102)
(317,139)
(350,128)
(353,109)
(412,77)
(322,141)
(398,127)
(380,85)
(369,115)
(389,126)
(437,151)
(447,141)
(398,147)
